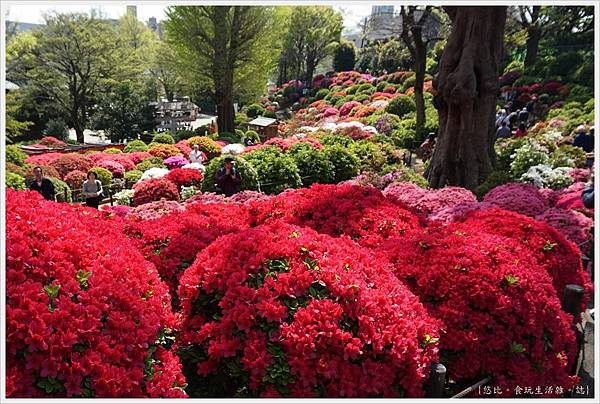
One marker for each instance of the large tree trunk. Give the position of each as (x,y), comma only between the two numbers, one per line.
(534,35)
(466,87)
(223,71)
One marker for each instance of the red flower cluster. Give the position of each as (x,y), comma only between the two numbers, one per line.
(300,314)
(184,177)
(43,159)
(84,310)
(558,256)
(361,213)
(137,158)
(501,315)
(66,163)
(116,169)
(171,242)
(124,159)
(184,148)
(75,179)
(154,189)
(52,141)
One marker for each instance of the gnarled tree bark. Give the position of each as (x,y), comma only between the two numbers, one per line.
(466,89)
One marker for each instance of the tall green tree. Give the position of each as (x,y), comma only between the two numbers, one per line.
(313,34)
(344,57)
(164,68)
(217,44)
(75,57)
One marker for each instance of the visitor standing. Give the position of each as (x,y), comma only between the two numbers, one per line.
(92,190)
(521,131)
(503,131)
(228,178)
(523,115)
(196,156)
(42,185)
(586,142)
(500,116)
(427,147)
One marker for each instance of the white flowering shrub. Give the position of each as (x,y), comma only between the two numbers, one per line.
(544,176)
(187,192)
(195,166)
(154,172)
(530,154)
(123,197)
(234,149)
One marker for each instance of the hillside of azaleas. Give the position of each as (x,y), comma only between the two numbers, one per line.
(328,291)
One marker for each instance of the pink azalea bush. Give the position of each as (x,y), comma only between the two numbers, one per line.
(521,198)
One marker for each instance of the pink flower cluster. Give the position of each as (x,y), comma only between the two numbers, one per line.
(521,198)
(154,210)
(175,162)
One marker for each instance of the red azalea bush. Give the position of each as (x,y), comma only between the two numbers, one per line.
(580,174)
(501,315)
(300,314)
(164,151)
(184,177)
(84,310)
(558,256)
(154,189)
(347,107)
(184,148)
(75,179)
(52,141)
(138,157)
(154,210)
(116,169)
(126,159)
(330,112)
(573,225)
(71,162)
(43,159)
(172,241)
(361,213)
(520,198)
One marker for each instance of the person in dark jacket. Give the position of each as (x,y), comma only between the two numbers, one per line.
(42,185)
(587,197)
(228,178)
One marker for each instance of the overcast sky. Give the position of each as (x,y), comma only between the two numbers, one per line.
(33,13)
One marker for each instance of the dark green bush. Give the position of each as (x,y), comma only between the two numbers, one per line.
(164,138)
(276,171)
(15,155)
(345,162)
(322,93)
(401,106)
(370,155)
(254,110)
(313,165)
(247,172)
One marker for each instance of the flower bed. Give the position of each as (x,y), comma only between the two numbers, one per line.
(303,315)
(154,189)
(73,330)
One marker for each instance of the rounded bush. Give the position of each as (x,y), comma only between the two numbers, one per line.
(321,93)
(164,151)
(370,155)
(300,314)
(133,176)
(401,106)
(63,191)
(313,165)
(247,171)
(254,110)
(164,138)
(103,175)
(206,144)
(75,179)
(65,336)
(71,162)
(14,181)
(345,162)
(154,189)
(184,177)
(276,171)
(150,163)
(112,150)
(135,146)
(15,169)
(116,169)
(15,155)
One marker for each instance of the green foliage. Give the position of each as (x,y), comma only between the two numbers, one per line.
(112,150)
(370,155)
(247,172)
(580,93)
(313,165)
(135,146)
(401,106)
(14,181)
(15,155)
(184,134)
(408,83)
(568,156)
(103,175)
(496,178)
(527,81)
(403,137)
(14,126)
(344,57)
(346,163)
(366,89)
(341,140)
(564,64)
(505,149)
(276,171)
(63,191)
(133,176)
(515,65)
(254,110)
(163,138)
(56,128)
(150,163)
(253,135)
(322,93)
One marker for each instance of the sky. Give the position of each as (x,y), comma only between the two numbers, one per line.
(33,13)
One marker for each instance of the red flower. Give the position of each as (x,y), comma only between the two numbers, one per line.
(154,189)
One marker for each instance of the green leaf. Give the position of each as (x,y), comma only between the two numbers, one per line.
(516,348)
(82,277)
(52,291)
(549,246)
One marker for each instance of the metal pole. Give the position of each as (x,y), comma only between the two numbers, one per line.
(572,298)
(437,381)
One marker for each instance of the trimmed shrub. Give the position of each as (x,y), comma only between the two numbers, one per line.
(313,165)
(276,171)
(164,138)
(135,146)
(150,163)
(207,145)
(401,106)
(15,155)
(14,181)
(346,163)
(154,189)
(133,176)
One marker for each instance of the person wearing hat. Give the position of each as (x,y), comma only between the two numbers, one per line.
(228,178)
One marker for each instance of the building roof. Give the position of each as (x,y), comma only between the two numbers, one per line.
(262,121)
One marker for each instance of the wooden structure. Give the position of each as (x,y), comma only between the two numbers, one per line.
(265,127)
(176,114)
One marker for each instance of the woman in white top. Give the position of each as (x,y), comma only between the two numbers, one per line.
(92,189)
(196,156)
